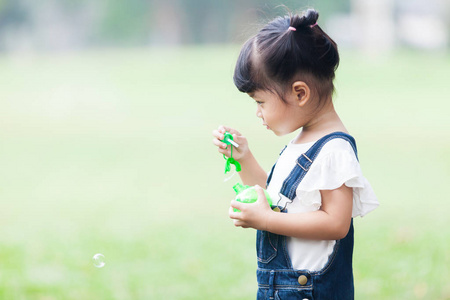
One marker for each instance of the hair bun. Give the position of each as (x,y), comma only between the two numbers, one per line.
(307,19)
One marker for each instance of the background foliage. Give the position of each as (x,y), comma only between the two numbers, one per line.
(87,23)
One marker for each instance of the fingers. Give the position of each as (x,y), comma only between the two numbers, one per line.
(218,134)
(217,141)
(222,130)
(219,144)
(235,216)
(252,215)
(239,139)
(260,192)
(223,148)
(238,205)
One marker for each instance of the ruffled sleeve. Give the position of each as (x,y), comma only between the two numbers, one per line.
(332,169)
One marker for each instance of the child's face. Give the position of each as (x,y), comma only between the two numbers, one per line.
(280,117)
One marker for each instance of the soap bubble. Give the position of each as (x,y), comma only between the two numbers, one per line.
(98,260)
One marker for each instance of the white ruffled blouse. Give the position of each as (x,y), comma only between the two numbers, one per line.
(335,165)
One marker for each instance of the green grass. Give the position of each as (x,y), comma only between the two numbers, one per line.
(110,152)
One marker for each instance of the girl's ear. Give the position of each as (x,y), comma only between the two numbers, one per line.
(302,92)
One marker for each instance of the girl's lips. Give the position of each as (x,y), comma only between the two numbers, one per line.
(267,126)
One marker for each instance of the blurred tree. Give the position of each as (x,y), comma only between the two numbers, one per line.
(11,12)
(12,16)
(123,22)
(61,24)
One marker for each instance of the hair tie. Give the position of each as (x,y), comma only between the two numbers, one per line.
(292,28)
(313,25)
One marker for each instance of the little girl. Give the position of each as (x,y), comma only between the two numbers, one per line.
(304,251)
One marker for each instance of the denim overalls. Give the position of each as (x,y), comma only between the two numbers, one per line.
(276,277)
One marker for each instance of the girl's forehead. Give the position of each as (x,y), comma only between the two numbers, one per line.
(257,95)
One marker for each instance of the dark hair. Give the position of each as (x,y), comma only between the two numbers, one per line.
(277,56)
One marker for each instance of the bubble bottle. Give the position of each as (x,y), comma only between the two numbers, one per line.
(248,194)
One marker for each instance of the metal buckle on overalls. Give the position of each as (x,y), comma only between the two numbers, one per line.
(285,204)
(306,170)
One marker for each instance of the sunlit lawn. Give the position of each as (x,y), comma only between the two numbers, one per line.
(110,152)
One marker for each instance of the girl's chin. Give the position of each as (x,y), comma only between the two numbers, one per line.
(277,133)
(280,133)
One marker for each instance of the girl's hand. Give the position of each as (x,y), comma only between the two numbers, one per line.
(255,215)
(240,152)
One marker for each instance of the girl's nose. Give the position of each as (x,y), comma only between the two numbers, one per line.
(258,114)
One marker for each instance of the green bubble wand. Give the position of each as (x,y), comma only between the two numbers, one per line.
(228,139)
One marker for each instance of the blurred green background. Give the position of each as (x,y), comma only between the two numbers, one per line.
(107,149)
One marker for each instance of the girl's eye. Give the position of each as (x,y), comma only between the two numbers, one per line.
(259,102)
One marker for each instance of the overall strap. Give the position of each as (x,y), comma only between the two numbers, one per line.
(305,160)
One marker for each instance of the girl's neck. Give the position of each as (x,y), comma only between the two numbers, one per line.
(324,122)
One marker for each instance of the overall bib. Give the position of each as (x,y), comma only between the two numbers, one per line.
(276,277)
